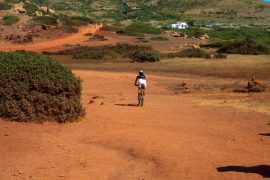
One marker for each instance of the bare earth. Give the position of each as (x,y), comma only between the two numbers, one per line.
(53,44)
(207,134)
(170,138)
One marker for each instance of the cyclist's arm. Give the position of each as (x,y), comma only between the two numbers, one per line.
(136,81)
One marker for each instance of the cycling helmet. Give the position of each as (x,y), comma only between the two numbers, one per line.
(141,73)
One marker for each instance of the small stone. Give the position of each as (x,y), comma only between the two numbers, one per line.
(91,101)
(38,13)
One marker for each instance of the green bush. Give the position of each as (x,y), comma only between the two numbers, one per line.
(5,6)
(80,20)
(40,2)
(259,35)
(68,28)
(134,52)
(145,56)
(247,46)
(10,20)
(110,28)
(75,20)
(37,88)
(218,36)
(194,32)
(216,44)
(47,20)
(191,53)
(12,1)
(139,29)
(30,8)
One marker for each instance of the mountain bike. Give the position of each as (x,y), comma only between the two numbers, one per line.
(141,96)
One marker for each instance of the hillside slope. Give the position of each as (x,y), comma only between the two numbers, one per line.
(201,12)
(235,11)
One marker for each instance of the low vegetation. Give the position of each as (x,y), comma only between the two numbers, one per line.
(70,23)
(47,20)
(30,8)
(67,28)
(139,29)
(37,88)
(219,36)
(75,20)
(5,6)
(111,28)
(10,20)
(133,52)
(247,46)
(189,53)
(137,53)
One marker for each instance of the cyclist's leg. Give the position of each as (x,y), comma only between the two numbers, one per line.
(143,89)
(138,95)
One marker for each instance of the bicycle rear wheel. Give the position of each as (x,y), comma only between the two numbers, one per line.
(140,99)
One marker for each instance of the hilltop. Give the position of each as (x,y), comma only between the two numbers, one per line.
(203,11)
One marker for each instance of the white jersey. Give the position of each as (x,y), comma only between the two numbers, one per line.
(142,82)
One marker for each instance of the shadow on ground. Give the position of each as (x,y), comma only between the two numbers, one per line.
(263,170)
(131,105)
(265,134)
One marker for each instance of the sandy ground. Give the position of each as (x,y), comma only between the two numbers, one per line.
(171,137)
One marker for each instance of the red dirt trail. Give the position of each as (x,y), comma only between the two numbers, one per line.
(169,138)
(56,44)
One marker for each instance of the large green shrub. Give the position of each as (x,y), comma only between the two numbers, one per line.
(246,46)
(144,56)
(37,88)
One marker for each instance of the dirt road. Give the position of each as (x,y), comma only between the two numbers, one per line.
(54,44)
(170,138)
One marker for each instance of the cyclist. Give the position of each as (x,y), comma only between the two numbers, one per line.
(141,82)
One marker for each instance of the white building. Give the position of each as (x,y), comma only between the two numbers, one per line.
(179,25)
